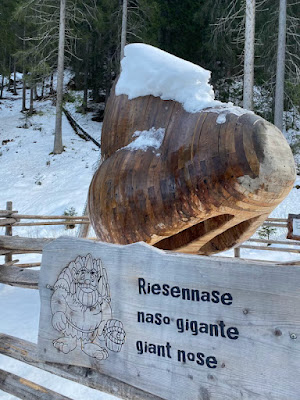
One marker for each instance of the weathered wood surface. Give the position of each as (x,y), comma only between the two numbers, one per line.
(207,188)
(7,221)
(21,216)
(282,249)
(25,351)
(23,244)
(293,226)
(15,276)
(286,242)
(8,230)
(239,340)
(26,390)
(72,222)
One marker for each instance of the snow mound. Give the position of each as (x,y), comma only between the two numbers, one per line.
(147,70)
(145,139)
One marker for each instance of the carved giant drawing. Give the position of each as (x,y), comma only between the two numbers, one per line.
(215,178)
(81,310)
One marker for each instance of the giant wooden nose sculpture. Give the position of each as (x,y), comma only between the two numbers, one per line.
(211,182)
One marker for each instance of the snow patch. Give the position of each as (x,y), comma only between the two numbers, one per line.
(145,139)
(147,70)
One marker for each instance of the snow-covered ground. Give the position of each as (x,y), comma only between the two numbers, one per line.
(39,182)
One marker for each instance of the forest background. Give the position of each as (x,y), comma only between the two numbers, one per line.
(210,33)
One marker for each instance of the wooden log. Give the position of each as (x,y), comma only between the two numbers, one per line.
(6,213)
(63,217)
(26,390)
(237,252)
(286,242)
(7,222)
(51,223)
(28,265)
(208,187)
(15,276)
(277,220)
(10,263)
(8,230)
(280,249)
(25,351)
(275,224)
(23,244)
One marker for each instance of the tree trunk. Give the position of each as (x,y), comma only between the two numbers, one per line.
(249,55)
(51,85)
(124,28)
(15,78)
(85,83)
(31,101)
(9,74)
(279,91)
(58,146)
(24,92)
(2,87)
(43,88)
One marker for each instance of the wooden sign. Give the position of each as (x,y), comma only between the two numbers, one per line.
(177,326)
(293,227)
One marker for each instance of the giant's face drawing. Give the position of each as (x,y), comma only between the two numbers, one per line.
(87,274)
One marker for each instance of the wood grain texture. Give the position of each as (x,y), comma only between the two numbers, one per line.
(15,276)
(208,187)
(260,361)
(26,390)
(27,352)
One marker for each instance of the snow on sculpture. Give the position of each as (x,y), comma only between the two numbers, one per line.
(217,174)
(81,310)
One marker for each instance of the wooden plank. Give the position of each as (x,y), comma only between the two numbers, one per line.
(277,220)
(274,224)
(51,223)
(15,276)
(25,351)
(26,390)
(29,265)
(7,221)
(280,249)
(67,217)
(194,327)
(286,242)
(23,244)
(6,213)
(8,230)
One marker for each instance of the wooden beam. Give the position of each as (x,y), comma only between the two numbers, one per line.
(51,223)
(275,224)
(27,390)
(25,351)
(23,244)
(6,213)
(68,217)
(29,265)
(277,219)
(8,230)
(286,242)
(7,221)
(280,249)
(15,276)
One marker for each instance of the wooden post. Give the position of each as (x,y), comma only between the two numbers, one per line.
(8,231)
(237,252)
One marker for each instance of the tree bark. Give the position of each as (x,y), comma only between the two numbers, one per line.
(51,85)
(15,78)
(31,101)
(85,83)
(2,86)
(280,69)
(249,55)
(9,74)
(124,28)
(24,92)
(58,146)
